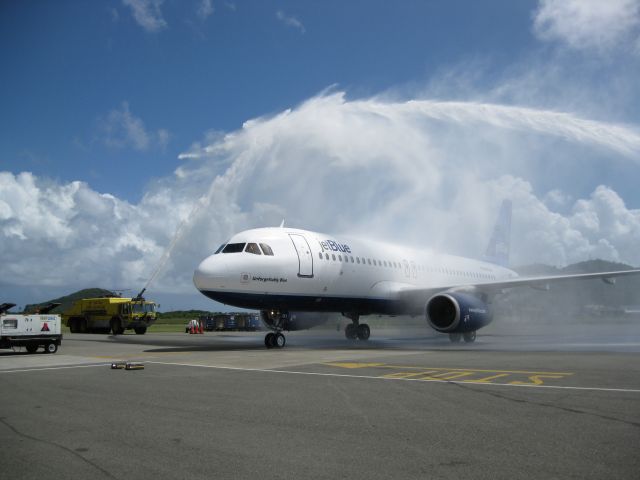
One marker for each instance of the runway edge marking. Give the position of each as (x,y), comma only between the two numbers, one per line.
(369,377)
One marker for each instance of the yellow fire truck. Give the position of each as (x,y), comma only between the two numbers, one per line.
(110,314)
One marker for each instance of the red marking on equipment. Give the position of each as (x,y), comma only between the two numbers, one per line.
(45,327)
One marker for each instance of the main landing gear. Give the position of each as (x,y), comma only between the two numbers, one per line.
(356,329)
(274,340)
(469,337)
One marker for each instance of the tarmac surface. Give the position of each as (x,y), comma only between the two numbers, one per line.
(561,403)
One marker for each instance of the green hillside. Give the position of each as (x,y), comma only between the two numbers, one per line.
(68,300)
(178,316)
(576,299)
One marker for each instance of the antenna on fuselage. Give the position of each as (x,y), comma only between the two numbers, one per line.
(282,223)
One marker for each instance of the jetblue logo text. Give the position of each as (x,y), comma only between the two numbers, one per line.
(332,246)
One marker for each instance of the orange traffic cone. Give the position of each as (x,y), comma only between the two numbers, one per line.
(201,328)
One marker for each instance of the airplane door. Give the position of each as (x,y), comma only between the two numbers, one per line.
(407,272)
(305,259)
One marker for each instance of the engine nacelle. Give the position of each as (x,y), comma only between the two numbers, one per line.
(455,312)
(292,321)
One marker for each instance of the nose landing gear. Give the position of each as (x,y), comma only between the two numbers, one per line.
(277,321)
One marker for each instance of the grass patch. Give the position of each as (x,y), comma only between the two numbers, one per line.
(166,328)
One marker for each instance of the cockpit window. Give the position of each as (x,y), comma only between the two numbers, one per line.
(220,248)
(253,248)
(233,247)
(266,249)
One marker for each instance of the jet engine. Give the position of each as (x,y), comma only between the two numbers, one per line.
(455,312)
(292,321)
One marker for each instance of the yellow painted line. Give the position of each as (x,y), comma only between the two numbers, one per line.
(411,367)
(354,364)
(536,380)
(379,378)
(447,376)
(488,379)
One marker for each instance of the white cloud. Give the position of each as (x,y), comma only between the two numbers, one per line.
(290,21)
(204,9)
(147,14)
(418,172)
(586,24)
(120,129)
(556,199)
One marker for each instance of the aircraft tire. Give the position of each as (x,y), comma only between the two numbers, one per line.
(455,337)
(269,340)
(350,332)
(363,331)
(469,337)
(279,340)
(51,348)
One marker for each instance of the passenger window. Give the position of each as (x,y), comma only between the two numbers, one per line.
(266,249)
(352,260)
(253,248)
(326,256)
(357,259)
(233,248)
(320,255)
(340,257)
(333,255)
(369,261)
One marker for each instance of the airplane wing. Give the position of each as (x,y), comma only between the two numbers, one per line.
(418,296)
(544,282)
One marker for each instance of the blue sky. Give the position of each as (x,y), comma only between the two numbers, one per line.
(409,121)
(68,64)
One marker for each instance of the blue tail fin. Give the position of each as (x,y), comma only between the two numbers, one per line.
(500,243)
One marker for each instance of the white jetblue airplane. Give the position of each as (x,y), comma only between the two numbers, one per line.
(284,272)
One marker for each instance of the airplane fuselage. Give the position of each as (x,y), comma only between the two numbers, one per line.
(291,269)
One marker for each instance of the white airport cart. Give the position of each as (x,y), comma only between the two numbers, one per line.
(30,331)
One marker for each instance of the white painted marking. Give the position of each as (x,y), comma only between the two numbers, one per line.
(344,375)
(54,368)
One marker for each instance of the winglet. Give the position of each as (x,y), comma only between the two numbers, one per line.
(500,244)
(282,223)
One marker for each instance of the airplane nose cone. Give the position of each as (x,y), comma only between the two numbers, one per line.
(209,273)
